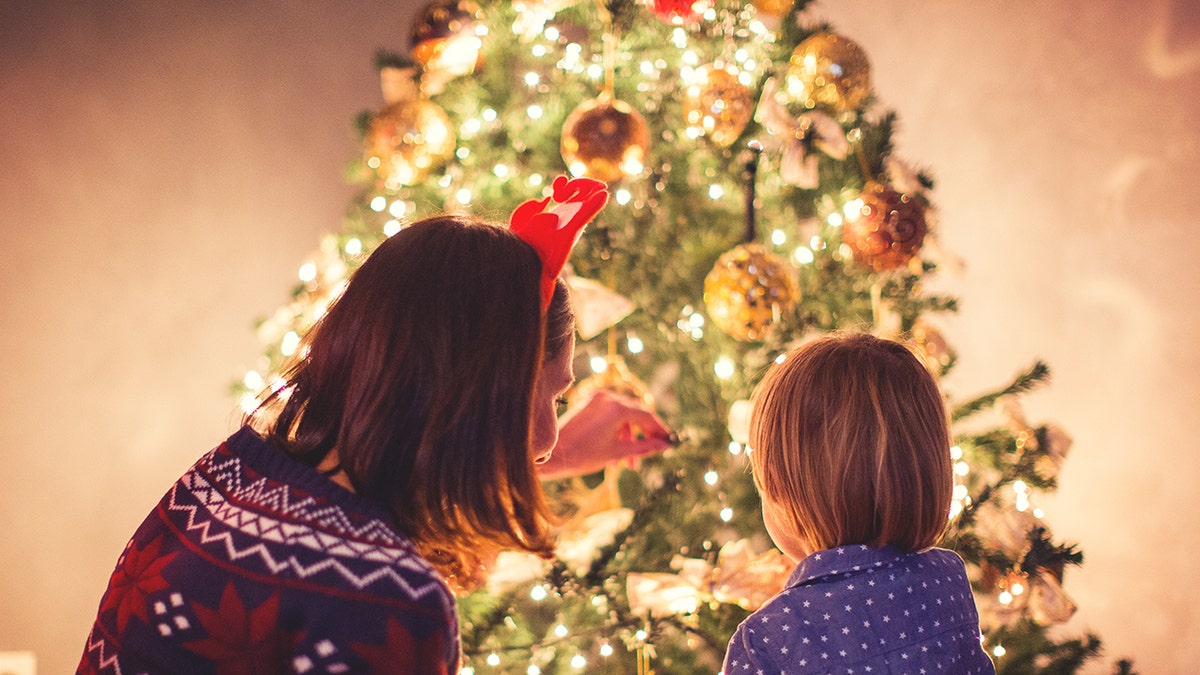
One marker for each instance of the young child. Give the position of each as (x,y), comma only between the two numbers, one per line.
(851,457)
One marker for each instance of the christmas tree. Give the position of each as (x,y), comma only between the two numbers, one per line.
(758,200)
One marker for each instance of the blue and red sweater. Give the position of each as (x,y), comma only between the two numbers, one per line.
(256,563)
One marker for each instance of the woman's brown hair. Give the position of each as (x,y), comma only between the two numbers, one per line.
(851,440)
(421,377)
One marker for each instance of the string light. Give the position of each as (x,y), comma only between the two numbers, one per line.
(308,272)
(578,661)
(561,630)
(778,237)
(711,477)
(534,112)
(999,651)
(391,227)
(398,208)
(378,203)
(834,219)
(606,649)
(463,196)
(538,593)
(291,340)
(735,448)
(533,670)
(715,192)
(354,246)
(803,255)
(599,364)
(489,115)
(635,344)
(727,514)
(493,659)
(724,367)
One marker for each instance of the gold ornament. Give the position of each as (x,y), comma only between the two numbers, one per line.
(748,290)
(408,139)
(772,8)
(930,346)
(604,138)
(444,37)
(717,104)
(886,230)
(826,70)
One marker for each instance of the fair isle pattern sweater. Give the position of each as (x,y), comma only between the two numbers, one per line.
(255,563)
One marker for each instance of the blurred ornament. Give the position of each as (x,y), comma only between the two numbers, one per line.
(680,12)
(514,568)
(1006,528)
(739,420)
(532,16)
(1048,604)
(740,577)
(748,290)
(886,230)
(930,346)
(829,71)
(597,308)
(408,139)
(604,138)
(446,40)
(716,104)
(579,543)
(1057,443)
(772,9)
(797,135)
(661,594)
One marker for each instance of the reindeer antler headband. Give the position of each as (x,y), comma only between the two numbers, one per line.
(553,233)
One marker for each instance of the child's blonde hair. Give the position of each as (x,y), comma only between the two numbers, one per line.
(852,442)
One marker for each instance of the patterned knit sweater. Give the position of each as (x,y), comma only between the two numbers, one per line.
(255,563)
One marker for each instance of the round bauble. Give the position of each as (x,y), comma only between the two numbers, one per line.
(827,71)
(748,290)
(716,104)
(680,12)
(772,8)
(407,140)
(444,36)
(605,139)
(887,230)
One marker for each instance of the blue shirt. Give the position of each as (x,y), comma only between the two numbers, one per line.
(855,610)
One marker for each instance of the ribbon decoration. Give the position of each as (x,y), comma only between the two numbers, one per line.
(740,576)
(554,232)
(796,133)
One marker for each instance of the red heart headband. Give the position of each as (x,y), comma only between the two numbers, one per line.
(553,233)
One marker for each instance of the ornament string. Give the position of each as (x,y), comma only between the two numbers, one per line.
(751,177)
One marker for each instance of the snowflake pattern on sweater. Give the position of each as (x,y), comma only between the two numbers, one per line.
(855,610)
(255,563)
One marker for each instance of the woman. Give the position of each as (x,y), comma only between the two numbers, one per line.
(328,534)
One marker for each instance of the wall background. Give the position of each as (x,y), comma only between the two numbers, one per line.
(166,167)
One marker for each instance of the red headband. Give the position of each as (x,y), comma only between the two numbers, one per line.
(553,233)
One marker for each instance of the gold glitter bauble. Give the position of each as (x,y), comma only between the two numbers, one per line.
(443,36)
(773,8)
(408,139)
(887,230)
(748,290)
(826,70)
(717,105)
(605,139)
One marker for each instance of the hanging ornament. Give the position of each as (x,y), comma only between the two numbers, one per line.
(597,307)
(772,9)
(606,139)
(446,38)
(716,104)
(749,288)
(406,140)
(930,346)
(798,135)
(680,12)
(828,71)
(885,229)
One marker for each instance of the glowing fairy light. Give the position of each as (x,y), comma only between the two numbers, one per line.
(1005,598)
(961,469)
(834,219)
(253,380)
(691,58)
(248,403)
(646,67)
(398,208)
(538,50)
(467,670)
(640,635)
(960,492)
(635,344)
(956,452)
(534,111)
(578,661)
(353,246)
(445,181)
(735,448)
(291,340)
(816,243)
(493,659)
(536,179)
(538,593)
(308,272)
(803,255)
(623,196)
(533,670)
(463,196)
(378,203)
(500,170)
(278,383)
(552,34)
(599,364)
(853,208)
(606,649)
(532,79)
(561,630)
(715,192)
(726,514)
(999,651)
(489,115)
(462,152)
(595,71)
(1018,589)
(724,368)
(711,477)
(1038,512)
(471,127)
(778,237)
(391,227)
(781,358)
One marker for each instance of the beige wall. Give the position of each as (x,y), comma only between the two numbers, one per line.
(166,169)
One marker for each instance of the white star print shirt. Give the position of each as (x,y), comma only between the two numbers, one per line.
(855,610)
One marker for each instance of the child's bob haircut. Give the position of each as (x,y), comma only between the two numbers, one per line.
(851,441)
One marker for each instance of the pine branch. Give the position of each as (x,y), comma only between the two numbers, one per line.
(1038,374)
